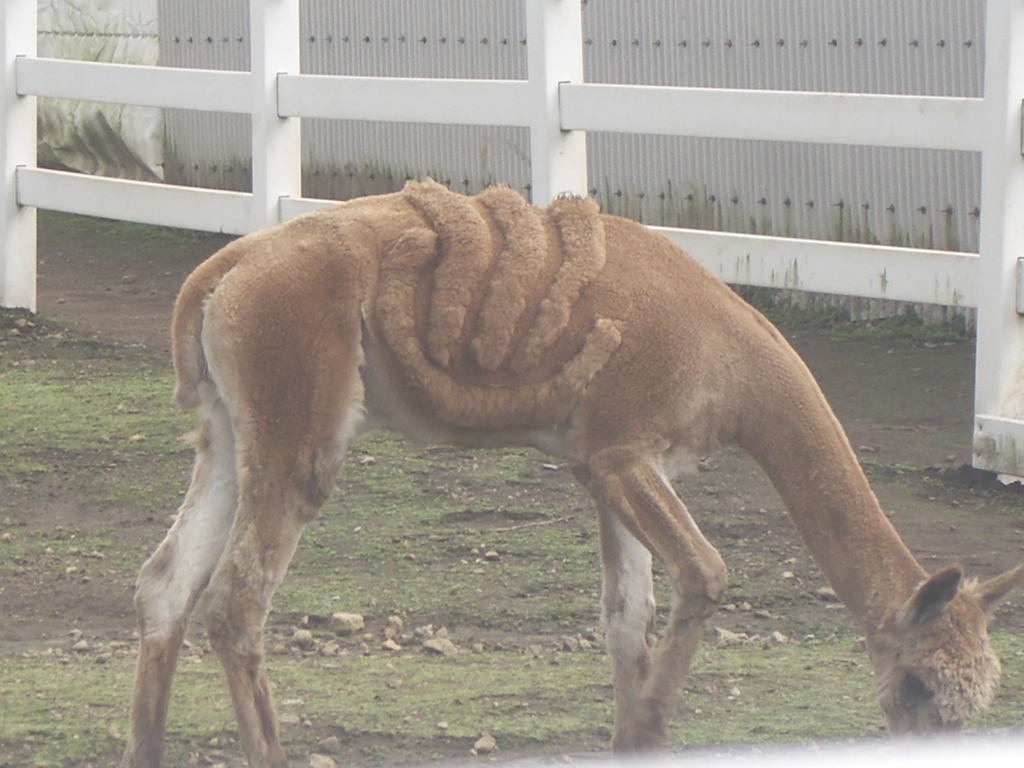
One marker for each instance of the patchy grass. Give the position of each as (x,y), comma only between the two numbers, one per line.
(69,710)
(76,407)
(835,321)
(500,547)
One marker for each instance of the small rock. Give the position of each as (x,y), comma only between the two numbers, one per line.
(112,733)
(442,633)
(303,638)
(321,761)
(724,637)
(346,623)
(762,614)
(443,725)
(729,607)
(788,575)
(367,461)
(440,646)
(735,692)
(279,649)
(777,638)
(534,650)
(289,718)
(368,637)
(746,607)
(390,645)
(394,628)
(585,645)
(826,593)
(425,632)
(82,646)
(569,643)
(331,745)
(492,555)
(330,649)
(485,745)
(5,537)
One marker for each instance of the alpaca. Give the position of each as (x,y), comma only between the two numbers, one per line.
(483,321)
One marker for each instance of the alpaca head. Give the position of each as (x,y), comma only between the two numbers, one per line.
(933,665)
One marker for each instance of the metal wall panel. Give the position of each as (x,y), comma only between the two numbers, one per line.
(894,196)
(931,47)
(202,148)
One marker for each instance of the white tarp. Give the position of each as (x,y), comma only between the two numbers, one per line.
(101,139)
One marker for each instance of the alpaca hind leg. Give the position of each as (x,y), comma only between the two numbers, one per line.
(627,613)
(626,481)
(285,355)
(275,504)
(172,579)
(259,550)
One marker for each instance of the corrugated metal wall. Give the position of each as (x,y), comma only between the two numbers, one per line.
(907,197)
(202,148)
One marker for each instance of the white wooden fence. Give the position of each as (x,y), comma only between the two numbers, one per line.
(559,108)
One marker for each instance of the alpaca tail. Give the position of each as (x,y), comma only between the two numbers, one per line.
(187,324)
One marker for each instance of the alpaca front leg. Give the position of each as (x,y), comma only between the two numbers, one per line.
(627,613)
(626,484)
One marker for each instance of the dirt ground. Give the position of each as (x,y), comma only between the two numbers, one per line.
(904,405)
(907,407)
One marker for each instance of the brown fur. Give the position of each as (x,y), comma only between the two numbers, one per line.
(484,321)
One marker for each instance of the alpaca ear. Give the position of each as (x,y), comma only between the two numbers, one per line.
(932,597)
(992,591)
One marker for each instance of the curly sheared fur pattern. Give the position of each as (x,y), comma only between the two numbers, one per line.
(483,262)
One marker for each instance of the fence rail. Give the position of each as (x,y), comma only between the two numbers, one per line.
(559,109)
(210,90)
(922,122)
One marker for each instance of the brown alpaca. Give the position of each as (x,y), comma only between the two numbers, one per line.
(483,322)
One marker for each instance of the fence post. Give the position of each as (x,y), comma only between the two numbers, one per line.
(554,53)
(276,141)
(999,367)
(17,147)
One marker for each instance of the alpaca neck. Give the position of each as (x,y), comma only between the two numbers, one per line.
(793,434)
